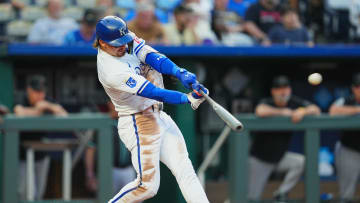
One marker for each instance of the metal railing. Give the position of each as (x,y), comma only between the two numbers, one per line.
(311,125)
(10,161)
(239,147)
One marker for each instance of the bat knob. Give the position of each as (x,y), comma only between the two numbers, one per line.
(238,128)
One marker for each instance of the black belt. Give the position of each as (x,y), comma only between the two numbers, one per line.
(157,107)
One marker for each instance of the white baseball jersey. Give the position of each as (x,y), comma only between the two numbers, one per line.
(124,77)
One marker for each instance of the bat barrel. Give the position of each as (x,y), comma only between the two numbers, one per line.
(227,117)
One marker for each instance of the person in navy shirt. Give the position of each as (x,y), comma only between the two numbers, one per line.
(260,18)
(291,31)
(85,35)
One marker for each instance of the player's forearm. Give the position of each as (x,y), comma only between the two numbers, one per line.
(266,111)
(253,30)
(164,95)
(58,109)
(27,111)
(344,110)
(312,110)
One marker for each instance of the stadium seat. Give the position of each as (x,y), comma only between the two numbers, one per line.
(162,15)
(6,13)
(18,28)
(74,12)
(126,14)
(32,13)
(63,146)
(167,5)
(164,9)
(240,7)
(126,4)
(26,2)
(86,3)
(41,3)
(339,4)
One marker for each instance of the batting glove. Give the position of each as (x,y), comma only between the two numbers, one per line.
(194,97)
(187,78)
(196,90)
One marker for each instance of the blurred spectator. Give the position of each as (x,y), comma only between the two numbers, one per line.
(202,8)
(182,30)
(35,104)
(202,24)
(8,5)
(146,26)
(17,4)
(355,17)
(228,25)
(347,152)
(106,6)
(315,18)
(269,149)
(14,3)
(291,31)
(123,171)
(260,18)
(53,28)
(86,34)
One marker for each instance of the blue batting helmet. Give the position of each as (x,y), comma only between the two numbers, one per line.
(113,30)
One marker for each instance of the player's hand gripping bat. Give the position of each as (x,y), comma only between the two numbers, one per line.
(229,119)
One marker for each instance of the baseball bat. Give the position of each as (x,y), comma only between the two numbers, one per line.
(227,117)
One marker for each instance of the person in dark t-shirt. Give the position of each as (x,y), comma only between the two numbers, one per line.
(347,151)
(269,149)
(35,103)
(260,18)
(290,31)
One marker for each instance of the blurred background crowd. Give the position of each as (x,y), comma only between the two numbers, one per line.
(185,22)
(60,84)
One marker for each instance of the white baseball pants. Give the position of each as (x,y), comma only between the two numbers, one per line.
(259,172)
(152,137)
(347,163)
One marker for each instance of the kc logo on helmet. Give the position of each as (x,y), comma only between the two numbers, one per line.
(122,31)
(131,82)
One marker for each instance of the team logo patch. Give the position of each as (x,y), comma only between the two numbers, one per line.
(131,82)
(122,31)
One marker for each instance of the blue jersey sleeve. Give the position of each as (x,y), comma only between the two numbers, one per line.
(161,63)
(163,95)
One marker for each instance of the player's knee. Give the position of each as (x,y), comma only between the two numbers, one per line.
(150,188)
(299,162)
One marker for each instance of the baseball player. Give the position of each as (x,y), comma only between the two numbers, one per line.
(131,74)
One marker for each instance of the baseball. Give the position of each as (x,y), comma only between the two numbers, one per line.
(315,78)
